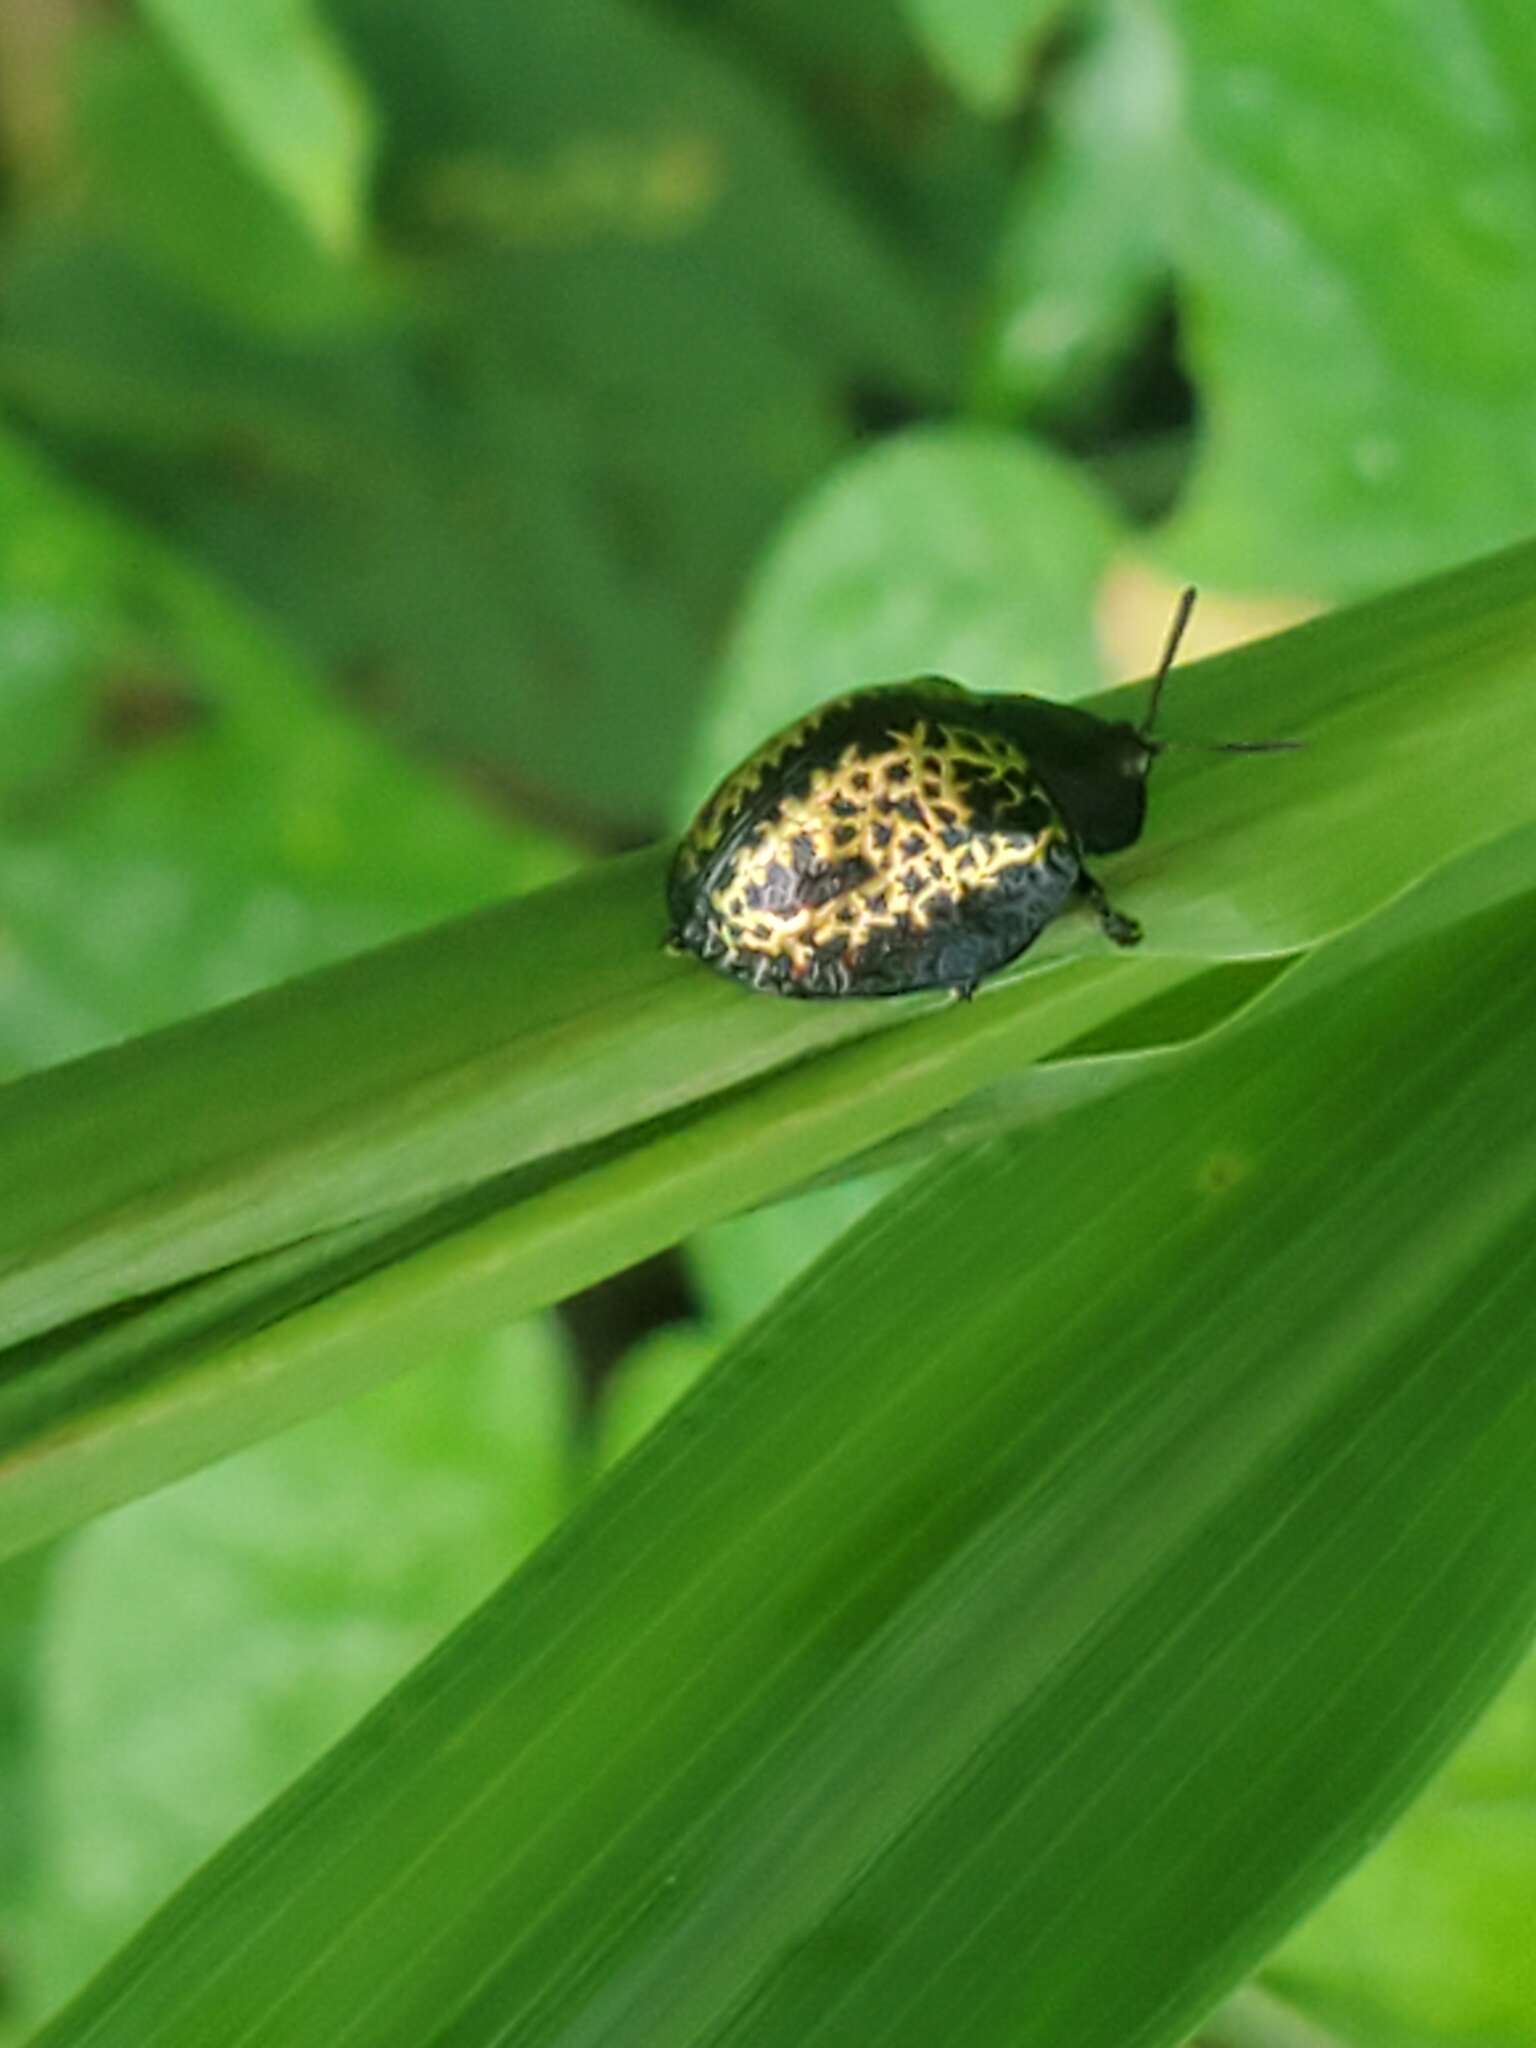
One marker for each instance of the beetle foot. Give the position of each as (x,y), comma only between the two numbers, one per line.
(1115,925)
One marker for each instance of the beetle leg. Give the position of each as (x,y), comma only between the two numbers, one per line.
(673,944)
(963,991)
(1114,924)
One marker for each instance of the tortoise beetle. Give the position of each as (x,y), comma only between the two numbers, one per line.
(913,836)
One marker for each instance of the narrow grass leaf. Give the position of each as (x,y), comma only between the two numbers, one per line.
(1024,1624)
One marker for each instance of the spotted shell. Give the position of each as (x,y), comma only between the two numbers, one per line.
(910,836)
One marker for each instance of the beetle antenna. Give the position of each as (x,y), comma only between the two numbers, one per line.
(1181,614)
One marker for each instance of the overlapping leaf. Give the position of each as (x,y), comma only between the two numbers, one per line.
(1008,1659)
(327,1176)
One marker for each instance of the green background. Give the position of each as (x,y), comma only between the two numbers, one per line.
(436,439)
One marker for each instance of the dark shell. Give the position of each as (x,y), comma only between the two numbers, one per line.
(912,836)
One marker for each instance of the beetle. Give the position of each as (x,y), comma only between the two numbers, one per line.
(915,835)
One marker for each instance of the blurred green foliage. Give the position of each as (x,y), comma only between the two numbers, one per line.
(304,1603)
(438,435)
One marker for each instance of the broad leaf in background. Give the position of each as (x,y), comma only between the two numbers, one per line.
(650,1380)
(292,1587)
(1130,1585)
(740,1265)
(1084,253)
(160,173)
(1356,235)
(955,551)
(1349,212)
(183,816)
(932,174)
(632,309)
(287,98)
(983,44)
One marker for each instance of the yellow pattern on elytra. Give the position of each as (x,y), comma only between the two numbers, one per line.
(718,813)
(796,934)
(709,827)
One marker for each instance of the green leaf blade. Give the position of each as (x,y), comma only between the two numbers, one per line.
(414,1081)
(288,100)
(1367,410)
(981,45)
(1029,1652)
(92,1417)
